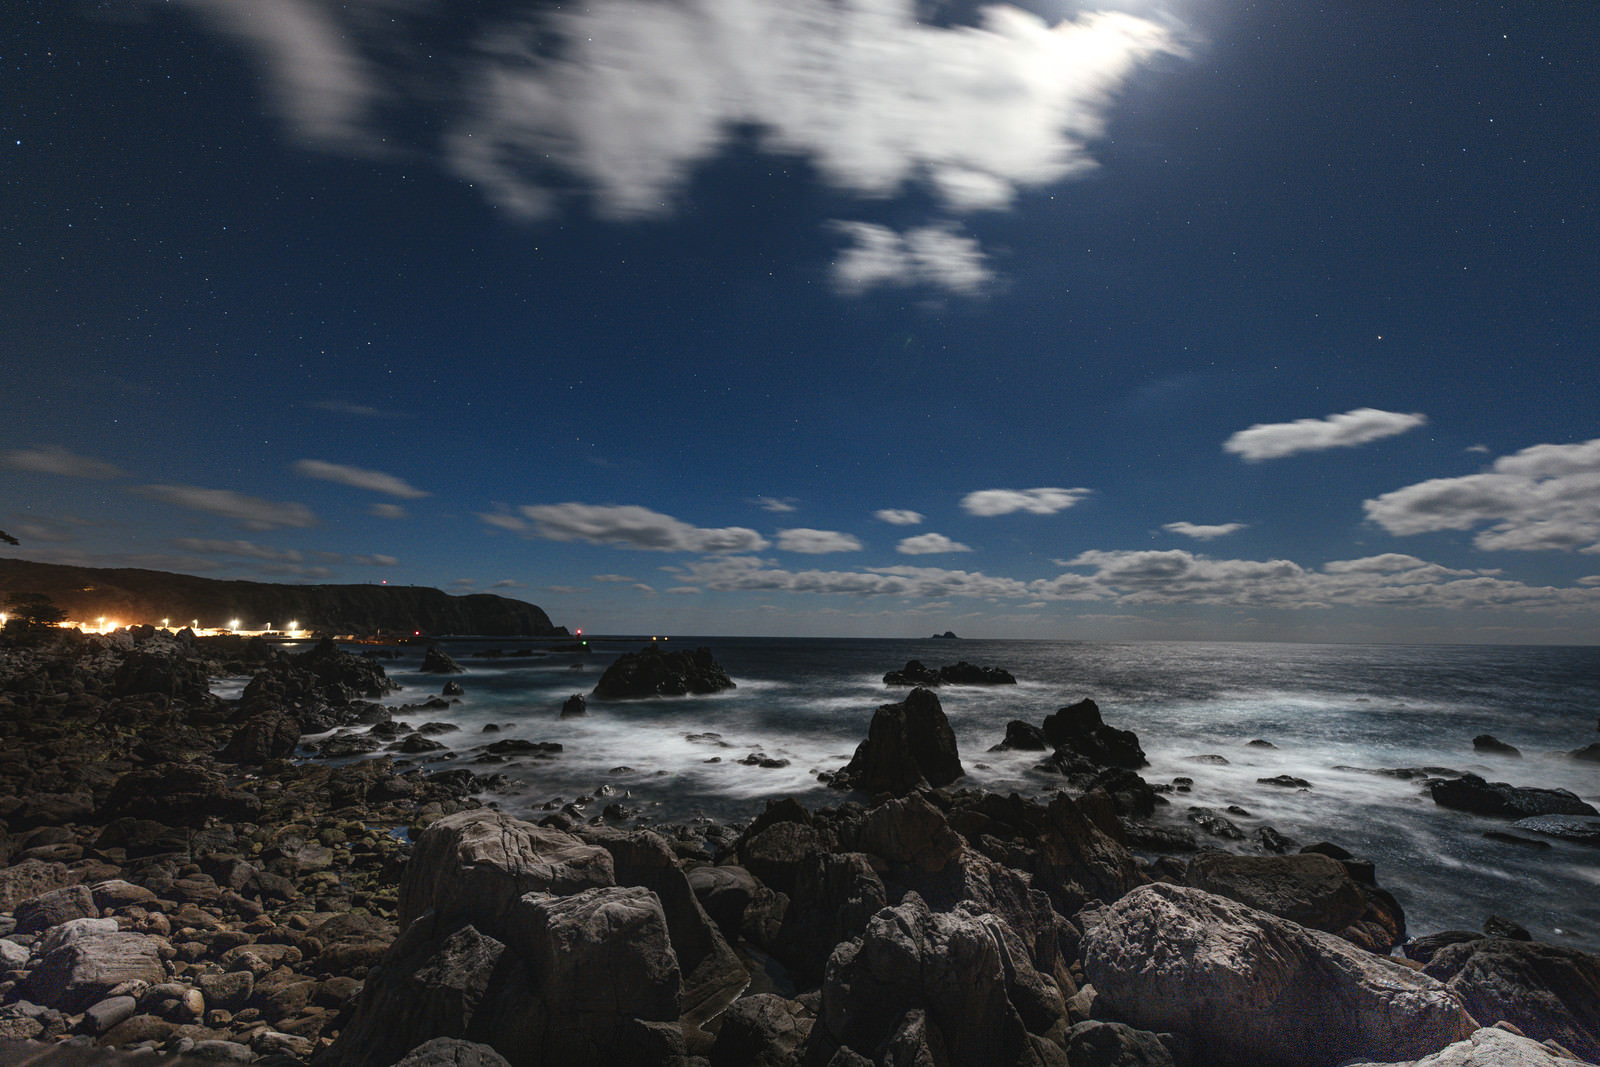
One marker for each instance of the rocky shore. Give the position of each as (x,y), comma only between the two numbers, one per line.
(179,884)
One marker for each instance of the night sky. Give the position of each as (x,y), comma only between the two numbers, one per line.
(1190,319)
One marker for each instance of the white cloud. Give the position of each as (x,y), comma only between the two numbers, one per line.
(53,459)
(989,502)
(898,516)
(1204,533)
(931,256)
(1543,497)
(630,526)
(612,578)
(929,544)
(322,87)
(1278,439)
(374,481)
(507,583)
(746,573)
(250,512)
(816,542)
(773,504)
(388,511)
(644,92)
(377,559)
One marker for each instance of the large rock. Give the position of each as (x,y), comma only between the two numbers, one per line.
(1472,793)
(1255,990)
(436,661)
(478,863)
(1077,861)
(270,735)
(919,980)
(181,794)
(1308,888)
(1489,1047)
(82,971)
(653,671)
(909,745)
(1078,730)
(1549,992)
(763,1030)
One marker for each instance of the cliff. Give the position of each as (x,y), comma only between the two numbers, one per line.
(141,596)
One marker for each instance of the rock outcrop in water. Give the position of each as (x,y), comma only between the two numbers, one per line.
(962,673)
(653,672)
(150,596)
(909,746)
(1472,793)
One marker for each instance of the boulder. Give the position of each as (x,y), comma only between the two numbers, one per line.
(436,661)
(653,671)
(477,863)
(452,1052)
(1023,737)
(1255,990)
(181,794)
(1101,1043)
(1584,829)
(1308,888)
(909,745)
(1078,729)
(452,689)
(56,907)
(267,736)
(574,706)
(833,898)
(1549,992)
(763,1030)
(1589,752)
(913,674)
(1472,793)
(1077,861)
(1489,1047)
(29,878)
(919,980)
(83,971)
(1494,746)
(964,673)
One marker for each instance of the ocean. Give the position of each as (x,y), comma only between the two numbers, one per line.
(1334,713)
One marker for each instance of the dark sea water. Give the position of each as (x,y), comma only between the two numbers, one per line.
(1326,708)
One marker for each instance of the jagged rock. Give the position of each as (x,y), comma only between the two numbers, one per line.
(1549,992)
(909,745)
(452,689)
(268,736)
(29,878)
(169,675)
(1472,793)
(436,661)
(1255,990)
(652,671)
(1490,743)
(1589,752)
(1489,1047)
(1101,1043)
(452,1052)
(477,863)
(763,1030)
(1022,736)
(964,673)
(56,907)
(912,674)
(834,896)
(922,979)
(181,794)
(1307,888)
(1078,729)
(574,706)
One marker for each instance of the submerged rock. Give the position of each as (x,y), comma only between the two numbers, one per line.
(437,661)
(1492,744)
(1472,793)
(1585,829)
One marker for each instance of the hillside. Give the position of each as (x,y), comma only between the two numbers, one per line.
(143,596)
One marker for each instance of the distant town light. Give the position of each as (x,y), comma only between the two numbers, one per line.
(233,624)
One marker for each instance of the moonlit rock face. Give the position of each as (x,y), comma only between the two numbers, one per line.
(1257,990)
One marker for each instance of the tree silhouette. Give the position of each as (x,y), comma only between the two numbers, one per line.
(33,610)
(8,539)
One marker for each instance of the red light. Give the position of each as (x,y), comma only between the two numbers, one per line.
(580,631)
(416,633)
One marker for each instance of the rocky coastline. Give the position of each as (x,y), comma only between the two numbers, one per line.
(178,884)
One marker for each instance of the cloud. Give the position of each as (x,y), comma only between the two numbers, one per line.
(53,459)
(1278,439)
(746,573)
(248,511)
(1204,533)
(373,481)
(767,503)
(931,256)
(990,502)
(364,411)
(644,93)
(374,560)
(612,578)
(816,542)
(898,517)
(242,549)
(322,87)
(388,511)
(929,544)
(684,590)
(1543,497)
(631,526)
(507,583)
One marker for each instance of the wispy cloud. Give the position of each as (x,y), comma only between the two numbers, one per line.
(780,506)
(929,544)
(241,549)
(1204,533)
(363,411)
(931,256)
(628,526)
(817,542)
(898,516)
(322,87)
(250,512)
(990,502)
(1275,440)
(388,511)
(1543,497)
(358,478)
(54,459)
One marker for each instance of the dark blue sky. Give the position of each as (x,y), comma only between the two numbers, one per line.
(1184,319)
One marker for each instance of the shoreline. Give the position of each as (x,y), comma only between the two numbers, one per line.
(142,812)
